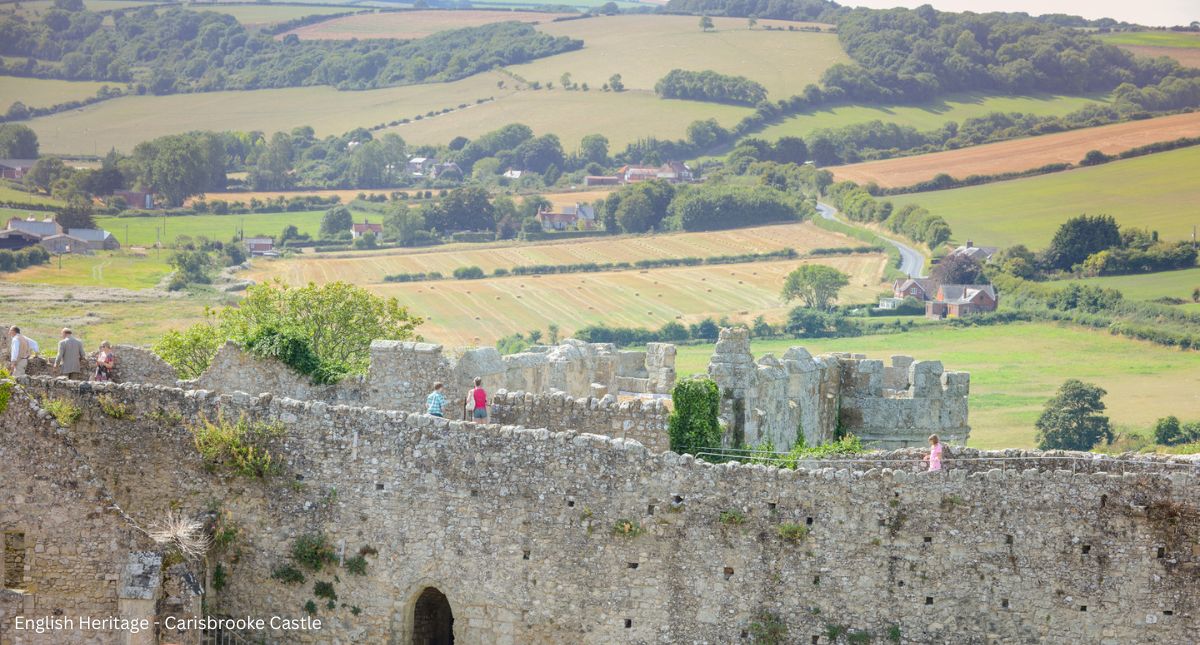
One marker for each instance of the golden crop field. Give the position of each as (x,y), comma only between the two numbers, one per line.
(410,24)
(45,92)
(643,48)
(368,267)
(478,312)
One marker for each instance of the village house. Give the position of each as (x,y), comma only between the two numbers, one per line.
(922,289)
(97,239)
(16,168)
(41,228)
(420,166)
(358,230)
(260,246)
(516,174)
(981,254)
(958,300)
(446,170)
(61,244)
(15,240)
(675,172)
(574,217)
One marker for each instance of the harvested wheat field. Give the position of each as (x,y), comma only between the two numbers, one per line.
(1021,154)
(478,312)
(410,24)
(369,267)
(1187,56)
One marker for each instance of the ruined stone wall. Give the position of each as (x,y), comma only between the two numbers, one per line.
(641,421)
(519,529)
(66,545)
(779,400)
(133,365)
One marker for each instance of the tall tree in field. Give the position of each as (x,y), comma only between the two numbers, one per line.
(17,142)
(1080,237)
(815,284)
(1072,419)
(336,220)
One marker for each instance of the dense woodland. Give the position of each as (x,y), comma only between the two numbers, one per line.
(176,50)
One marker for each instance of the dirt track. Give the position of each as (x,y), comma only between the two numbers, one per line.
(1021,154)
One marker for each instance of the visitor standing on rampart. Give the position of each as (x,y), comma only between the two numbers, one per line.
(19,351)
(436,401)
(70,359)
(475,407)
(935,453)
(106,360)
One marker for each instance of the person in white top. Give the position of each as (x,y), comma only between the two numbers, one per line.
(19,351)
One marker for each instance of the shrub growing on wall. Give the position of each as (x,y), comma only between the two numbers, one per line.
(693,425)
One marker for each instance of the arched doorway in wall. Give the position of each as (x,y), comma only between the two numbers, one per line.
(433,620)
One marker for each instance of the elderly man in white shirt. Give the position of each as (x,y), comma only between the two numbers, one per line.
(20,349)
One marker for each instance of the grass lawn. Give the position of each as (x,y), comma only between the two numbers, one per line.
(124,122)
(43,92)
(643,48)
(145,231)
(104,269)
(364,267)
(1158,191)
(955,107)
(136,322)
(1016,368)
(1147,286)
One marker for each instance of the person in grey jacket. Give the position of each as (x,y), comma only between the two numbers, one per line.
(70,359)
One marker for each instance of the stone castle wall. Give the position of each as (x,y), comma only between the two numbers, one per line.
(641,421)
(799,395)
(133,365)
(518,529)
(402,373)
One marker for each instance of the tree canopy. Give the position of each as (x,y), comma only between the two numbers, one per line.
(1072,420)
(816,285)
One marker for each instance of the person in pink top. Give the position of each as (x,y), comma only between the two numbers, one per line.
(475,407)
(935,453)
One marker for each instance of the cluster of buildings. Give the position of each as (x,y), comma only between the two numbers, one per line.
(675,172)
(432,168)
(21,233)
(948,300)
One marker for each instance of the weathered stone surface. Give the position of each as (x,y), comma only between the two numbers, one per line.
(516,528)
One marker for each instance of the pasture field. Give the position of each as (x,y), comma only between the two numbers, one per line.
(145,231)
(13,195)
(1021,154)
(1153,38)
(261,15)
(1147,286)
(104,269)
(623,117)
(928,116)
(409,24)
(365,267)
(130,318)
(124,122)
(478,312)
(44,92)
(1015,368)
(1159,191)
(643,48)
(37,7)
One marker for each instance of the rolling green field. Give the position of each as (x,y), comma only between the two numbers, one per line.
(1152,38)
(1147,286)
(1158,191)
(145,231)
(122,123)
(622,117)
(955,107)
(105,269)
(1015,368)
(258,15)
(132,321)
(643,48)
(12,195)
(40,92)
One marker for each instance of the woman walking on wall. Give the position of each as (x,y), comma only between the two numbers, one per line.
(475,407)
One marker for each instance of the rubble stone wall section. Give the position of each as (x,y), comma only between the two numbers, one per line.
(538,536)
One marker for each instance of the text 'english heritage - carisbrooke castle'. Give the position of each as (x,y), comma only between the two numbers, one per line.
(568,520)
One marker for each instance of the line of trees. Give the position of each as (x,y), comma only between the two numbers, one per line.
(710,86)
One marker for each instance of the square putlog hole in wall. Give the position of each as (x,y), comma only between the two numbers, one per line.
(808,521)
(1162,552)
(378,486)
(632,565)
(728,572)
(650,509)
(570,503)
(628,623)
(1008,539)
(928,540)
(1087,548)
(525,554)
(928,600)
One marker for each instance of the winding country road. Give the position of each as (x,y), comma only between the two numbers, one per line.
(911,260)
